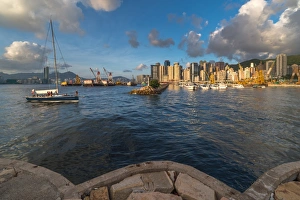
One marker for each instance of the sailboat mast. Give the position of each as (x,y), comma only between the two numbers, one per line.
(54,51)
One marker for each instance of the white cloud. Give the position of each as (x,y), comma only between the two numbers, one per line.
(155,41)
(106,5)
(255,33)
(23,56)
(31,15)
(193,44)
(141,67)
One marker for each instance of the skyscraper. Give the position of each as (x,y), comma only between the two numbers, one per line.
(166,65)
(281,65)
(195,72)
(155,71)
(46,75)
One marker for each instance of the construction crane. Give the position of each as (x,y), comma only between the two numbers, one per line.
(93,72)
(98,78)
(296,70)
(269,70)
(109,75)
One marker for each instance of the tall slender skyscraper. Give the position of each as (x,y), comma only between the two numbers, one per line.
(46,75)
(166,64)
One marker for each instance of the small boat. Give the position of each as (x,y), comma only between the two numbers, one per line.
(52,95)
(238,86)
(204,86)
(214,86)
(259,86)
(222,86)
(190,86)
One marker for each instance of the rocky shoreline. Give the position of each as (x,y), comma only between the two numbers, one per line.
(148,90)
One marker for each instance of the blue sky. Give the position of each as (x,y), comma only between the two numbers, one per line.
(127,36)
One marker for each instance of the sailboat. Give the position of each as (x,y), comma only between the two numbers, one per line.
(52,95)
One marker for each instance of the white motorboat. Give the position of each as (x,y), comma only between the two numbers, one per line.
(237,86)
(222,86)
(204,86)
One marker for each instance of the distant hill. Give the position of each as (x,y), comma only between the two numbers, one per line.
(62,76)
(66,75)
(293,59)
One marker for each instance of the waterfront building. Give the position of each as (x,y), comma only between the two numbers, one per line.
(210,67)
(203,76)
(247,73)
(194,72)
(221,75)
(281,65)
(204,65)
(231,75)
(166,65)
(162,73)
(177,72)
(155,71)
(171,73)
(187,74)
(220,65)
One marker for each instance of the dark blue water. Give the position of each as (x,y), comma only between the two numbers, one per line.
(234,135)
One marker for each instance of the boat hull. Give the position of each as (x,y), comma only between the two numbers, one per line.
(54,99)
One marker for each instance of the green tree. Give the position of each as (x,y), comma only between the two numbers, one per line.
(154,83)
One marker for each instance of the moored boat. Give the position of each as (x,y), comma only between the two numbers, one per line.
(238,86)
(204,86)
(190,86)
(222,86)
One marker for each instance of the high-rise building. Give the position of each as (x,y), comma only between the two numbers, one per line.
(155,71)
(281,65)
(171,73)
(220,65)
(46,75)
(194,72)
(166,65)
(161,73)
(177,71)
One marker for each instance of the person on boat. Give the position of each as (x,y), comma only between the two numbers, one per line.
(32,92)
(76,93)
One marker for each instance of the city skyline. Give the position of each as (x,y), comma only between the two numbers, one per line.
(127,37)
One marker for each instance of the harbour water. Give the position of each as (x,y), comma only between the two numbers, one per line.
(234,135)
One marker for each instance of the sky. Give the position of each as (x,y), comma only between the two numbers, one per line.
(127,36)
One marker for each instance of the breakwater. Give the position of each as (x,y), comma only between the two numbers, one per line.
(149,180)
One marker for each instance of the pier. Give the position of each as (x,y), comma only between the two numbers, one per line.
(148,180)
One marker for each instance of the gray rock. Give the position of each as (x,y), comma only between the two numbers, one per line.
(191,189)
(153,196)
(141,183)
